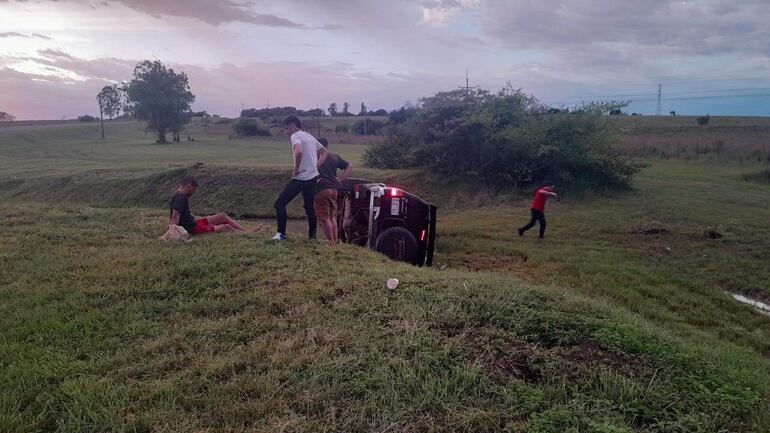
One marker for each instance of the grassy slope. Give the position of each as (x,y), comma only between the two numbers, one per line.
(598,330)
(107,330)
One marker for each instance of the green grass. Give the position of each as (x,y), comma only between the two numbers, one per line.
(77,147)
(105,328)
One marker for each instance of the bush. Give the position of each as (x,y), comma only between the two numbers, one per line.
(507,139)
(703,120)
(368,127)
(342,128)
(86,118)
(248,127)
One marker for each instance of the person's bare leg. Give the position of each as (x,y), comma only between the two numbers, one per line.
(223,218)
(222,228)
(328,230)
(335,230)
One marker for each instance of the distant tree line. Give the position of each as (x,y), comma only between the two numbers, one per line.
(6,117)
(277,113)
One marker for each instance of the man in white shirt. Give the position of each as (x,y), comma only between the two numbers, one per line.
(309,154)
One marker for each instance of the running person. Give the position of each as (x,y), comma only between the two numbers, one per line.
(538,209)
(309,154)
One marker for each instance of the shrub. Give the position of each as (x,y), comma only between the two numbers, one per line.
(86,118)
(703,120)
(342,129)
(248,127)
(507,139)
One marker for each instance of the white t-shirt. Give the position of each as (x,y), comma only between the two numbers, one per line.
(308,165)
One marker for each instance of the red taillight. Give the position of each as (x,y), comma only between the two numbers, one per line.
(422,236)
(395,192)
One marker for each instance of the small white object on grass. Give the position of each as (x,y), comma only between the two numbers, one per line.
(392,283)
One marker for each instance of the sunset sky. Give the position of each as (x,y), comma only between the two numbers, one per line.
(711,56)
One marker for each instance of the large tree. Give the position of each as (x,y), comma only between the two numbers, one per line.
(161,97)
(363,111)
(6,117)
(333,109)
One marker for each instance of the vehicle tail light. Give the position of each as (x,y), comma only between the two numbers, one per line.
(422,236)
(395,192)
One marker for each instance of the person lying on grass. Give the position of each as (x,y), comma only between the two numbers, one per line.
(180,214)
(538,209)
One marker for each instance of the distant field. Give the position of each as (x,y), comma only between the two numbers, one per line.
(738,139)
(621,320)
(76,147)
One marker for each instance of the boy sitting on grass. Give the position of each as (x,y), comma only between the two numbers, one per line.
(180,214)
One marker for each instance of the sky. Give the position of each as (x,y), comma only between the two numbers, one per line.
(709,56)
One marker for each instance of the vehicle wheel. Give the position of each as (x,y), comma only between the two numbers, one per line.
(398,244)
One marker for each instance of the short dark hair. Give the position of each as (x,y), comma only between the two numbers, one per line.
(189,180)
(292,119)
(324,142)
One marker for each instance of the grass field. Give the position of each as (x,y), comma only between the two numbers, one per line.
(618,322)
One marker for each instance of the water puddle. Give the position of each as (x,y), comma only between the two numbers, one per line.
(757,305)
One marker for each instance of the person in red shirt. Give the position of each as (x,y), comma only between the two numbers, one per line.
(538,209)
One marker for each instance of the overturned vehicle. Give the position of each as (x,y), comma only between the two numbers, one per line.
(388,220)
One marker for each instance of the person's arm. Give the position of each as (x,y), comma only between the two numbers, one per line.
(297,158)
(346,172)
(322,154)
(174,219)
(551,193)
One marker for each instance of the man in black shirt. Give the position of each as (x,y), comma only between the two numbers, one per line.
(180,214)
(326,192)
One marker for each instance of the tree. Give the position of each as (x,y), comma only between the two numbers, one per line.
(673,113)
(345,109)
(333,109)
(6,117)
(109,100)
(703,120)
(363,111)
(161,97)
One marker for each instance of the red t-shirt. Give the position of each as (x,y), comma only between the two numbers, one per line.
(540,197)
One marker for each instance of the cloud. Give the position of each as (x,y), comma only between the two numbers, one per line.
(218,90)
(671,26)
(23,35)
(213,12)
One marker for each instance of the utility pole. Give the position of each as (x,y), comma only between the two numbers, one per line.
(317,120)
(467,84)
(659,111)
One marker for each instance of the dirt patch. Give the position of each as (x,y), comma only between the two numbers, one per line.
(484,261)
(710,233)
(502,357)
(589,354)
(329,298)
(650,230)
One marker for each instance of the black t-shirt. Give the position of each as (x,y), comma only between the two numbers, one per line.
(179,202)
(328,171)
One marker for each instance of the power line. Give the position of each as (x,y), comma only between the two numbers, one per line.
(684,98)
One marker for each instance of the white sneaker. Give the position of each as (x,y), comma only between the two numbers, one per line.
(278,237)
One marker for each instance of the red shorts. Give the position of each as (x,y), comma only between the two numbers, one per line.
(202,227)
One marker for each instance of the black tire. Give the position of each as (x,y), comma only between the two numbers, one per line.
(398,244)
